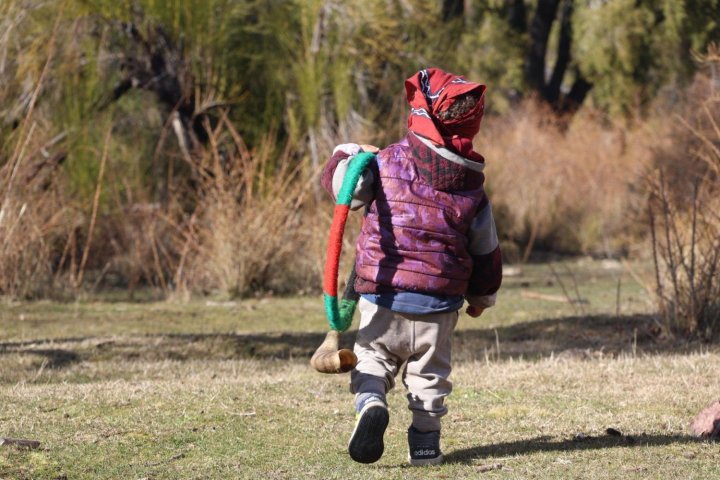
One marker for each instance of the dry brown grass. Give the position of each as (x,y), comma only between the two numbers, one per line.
(32,227)
(563,186)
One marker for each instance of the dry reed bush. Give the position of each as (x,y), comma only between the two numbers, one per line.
(35,220)
(262,219)
(136,248)
(563,187)
(684,212)
(255,225)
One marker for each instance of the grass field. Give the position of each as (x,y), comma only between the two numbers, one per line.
(223,389)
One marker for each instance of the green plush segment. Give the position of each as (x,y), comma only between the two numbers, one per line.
(355,169)
(339,317)
(332,311)
(347,310)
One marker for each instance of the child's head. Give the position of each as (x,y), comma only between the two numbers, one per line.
(460,108)
(444,106)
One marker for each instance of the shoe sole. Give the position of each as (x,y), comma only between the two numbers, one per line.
(425,461)
(366,444)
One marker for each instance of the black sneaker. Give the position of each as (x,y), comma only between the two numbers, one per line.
(366,443)
(424,447)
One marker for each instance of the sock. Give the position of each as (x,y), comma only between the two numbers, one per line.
(362,399)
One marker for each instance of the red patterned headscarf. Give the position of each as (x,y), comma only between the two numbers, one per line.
(431,91)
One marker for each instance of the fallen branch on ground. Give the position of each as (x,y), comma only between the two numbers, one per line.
(550,297)
(31,444)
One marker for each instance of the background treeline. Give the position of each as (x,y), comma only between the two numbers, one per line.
(176,144)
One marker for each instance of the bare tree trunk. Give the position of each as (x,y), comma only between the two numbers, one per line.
(535,65)
(517,15)
(452,9)
(576,96)
(539,35)
(552,89)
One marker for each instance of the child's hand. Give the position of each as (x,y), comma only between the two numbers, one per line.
(369,148)
(474,311)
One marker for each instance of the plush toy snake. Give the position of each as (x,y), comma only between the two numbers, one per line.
(327,358)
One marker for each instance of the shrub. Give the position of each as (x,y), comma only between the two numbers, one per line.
(684,215)
(562,187)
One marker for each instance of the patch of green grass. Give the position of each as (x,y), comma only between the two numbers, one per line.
(241,419)
(94,317)
(166,390)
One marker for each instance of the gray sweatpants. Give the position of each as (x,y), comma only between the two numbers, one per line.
(386,339)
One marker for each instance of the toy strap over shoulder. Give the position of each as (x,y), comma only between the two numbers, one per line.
(339,314)
(327,358)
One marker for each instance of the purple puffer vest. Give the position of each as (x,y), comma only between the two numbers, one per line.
(414,237)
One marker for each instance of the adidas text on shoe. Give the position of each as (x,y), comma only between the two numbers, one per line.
(424,447)
(366,443)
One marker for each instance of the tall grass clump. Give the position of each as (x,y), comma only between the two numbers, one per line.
(684,213)
(254,227)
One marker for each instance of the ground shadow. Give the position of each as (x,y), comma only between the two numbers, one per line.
(575,337)
(62,352)
(56,358)
(548,444)
(567,337)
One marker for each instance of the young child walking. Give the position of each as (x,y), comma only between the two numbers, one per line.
(427,244)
